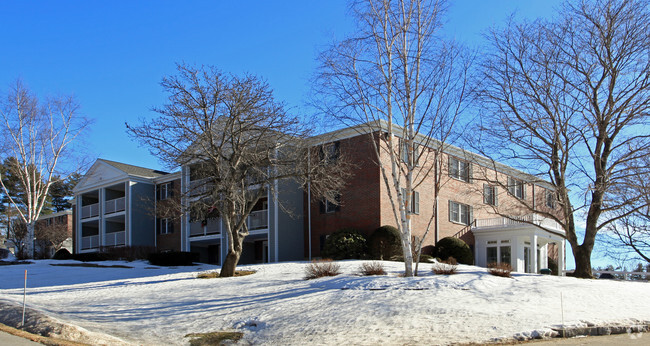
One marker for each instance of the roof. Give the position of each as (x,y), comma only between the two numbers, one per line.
(135,170)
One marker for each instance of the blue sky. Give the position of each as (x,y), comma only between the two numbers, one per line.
(112,54)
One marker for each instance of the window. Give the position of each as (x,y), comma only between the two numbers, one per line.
(491,254)
(550,199)
(414,206)
(165,191)
(165,226)
(459,169)
(327,206)
(330,152)
(516,188)
(489,194)
(460,213)
(404,152)
(505,254)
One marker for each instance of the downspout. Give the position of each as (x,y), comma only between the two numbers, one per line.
(308,205)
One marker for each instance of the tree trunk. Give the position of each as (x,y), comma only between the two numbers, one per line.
(582,255)
(229,265)
(29,240)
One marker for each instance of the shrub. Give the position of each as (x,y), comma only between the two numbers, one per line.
(130,253)
(318,269)
(425,258)
(552,265)
(454,247)
(384,243)
(372,268)
(173,258)
(500,269)
(345,243)
(62,254)
(447,267)
(93,257)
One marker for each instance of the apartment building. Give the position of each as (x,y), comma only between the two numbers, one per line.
(480,202)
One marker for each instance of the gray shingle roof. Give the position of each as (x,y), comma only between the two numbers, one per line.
(135,170)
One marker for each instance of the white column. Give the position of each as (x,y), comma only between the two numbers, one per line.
(101,222)
(534,253)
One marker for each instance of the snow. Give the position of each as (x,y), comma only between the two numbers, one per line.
(146,304)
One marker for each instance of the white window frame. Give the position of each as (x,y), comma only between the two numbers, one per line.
(164,226)
(550,199)
(490,195)
(517,188)
(415,201)
(459,169)
(460,213)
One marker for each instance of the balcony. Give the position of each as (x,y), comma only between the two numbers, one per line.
(505,222)
(91,210)
(115,239)
(199,187)
(114,205)
(90,242)
(258,219)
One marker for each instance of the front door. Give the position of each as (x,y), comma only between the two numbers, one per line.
(527,262)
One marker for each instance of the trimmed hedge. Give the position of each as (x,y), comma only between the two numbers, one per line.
(384,243)
(62,254)
(454,247)
(346,243)
(173,258)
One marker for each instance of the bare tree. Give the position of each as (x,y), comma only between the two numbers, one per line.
(406,85)
(568,99)
(18,235)
(237,142)
(39,136)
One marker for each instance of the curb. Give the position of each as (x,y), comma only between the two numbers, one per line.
(594,330)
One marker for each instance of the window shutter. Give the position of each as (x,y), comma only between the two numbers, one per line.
(449,166)
(449,209)
(338,202)
(157,226)
(170,190)
(523,190)
(471,215)
(170,226)
(511,186)
(486,194)
(337,150)
(321,205)
(157,192)
(470,168)
(416,202)
(496,196)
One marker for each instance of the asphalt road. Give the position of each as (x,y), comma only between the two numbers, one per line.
(12,340)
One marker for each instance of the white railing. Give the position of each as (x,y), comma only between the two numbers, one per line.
(90,211)
(535,219)
(115,205)
(213,226)
(90,242)
(258,219)
(115,238)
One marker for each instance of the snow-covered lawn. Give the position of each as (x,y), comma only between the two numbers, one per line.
(153,305)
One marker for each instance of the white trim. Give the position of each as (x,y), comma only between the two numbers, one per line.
(277,205)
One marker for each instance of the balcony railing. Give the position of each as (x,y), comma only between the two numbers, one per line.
(213,226)
(535,219)
(90,242)
(114,205)
(90,211)
(199,187)
(258,219)
(115,239)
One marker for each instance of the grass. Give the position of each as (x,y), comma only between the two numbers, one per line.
(213,338)
(212,275)
(89,265)
(37,338)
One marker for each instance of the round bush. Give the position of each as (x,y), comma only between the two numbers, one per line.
(384,243)
(454,247)
(62,254)
(345,243)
